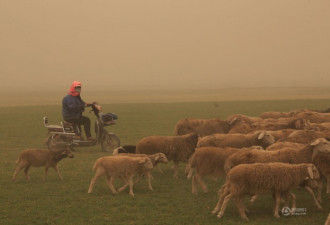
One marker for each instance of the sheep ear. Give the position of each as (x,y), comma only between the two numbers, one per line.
(233,120)
(298,124)
(157,157)
(316,142)
(261,135)
(310,172)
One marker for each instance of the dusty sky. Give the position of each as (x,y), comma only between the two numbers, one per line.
(158,44)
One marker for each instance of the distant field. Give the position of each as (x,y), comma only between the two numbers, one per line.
(171,202)
(109,96)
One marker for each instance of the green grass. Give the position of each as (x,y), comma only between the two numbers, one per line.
(67,202)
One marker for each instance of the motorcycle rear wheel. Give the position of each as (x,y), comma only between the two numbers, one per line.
(110,142)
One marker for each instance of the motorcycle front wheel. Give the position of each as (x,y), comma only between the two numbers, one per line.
(110,142)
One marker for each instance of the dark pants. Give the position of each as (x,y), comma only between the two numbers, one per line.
(83,120)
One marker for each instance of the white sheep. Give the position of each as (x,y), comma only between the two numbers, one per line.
(258,178)
(155,159)
(124,167)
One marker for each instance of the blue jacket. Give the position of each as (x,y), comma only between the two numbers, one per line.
(72,107)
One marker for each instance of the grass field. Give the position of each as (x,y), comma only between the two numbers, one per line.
(67,202)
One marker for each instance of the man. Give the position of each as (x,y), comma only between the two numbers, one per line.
(73,107)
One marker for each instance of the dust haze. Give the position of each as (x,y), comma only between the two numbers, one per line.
(187,45)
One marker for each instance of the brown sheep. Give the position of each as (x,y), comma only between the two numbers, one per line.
(281,134)
(292,123)
(155,159)
(305,136)
(259,138)
(285,144)
(202,127)
(258,178)
(293,156)
(209,161)
(277,115)
(41,157)
(327,222)
(314,117)
(124,167)
(176,148)
(320,126)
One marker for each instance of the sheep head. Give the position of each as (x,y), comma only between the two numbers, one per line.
(266,138)
(313,173)
(321,145)
(161,157)
(146,162)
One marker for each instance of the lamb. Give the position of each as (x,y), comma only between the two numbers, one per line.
(310,154)
(176,148)
(260,138)
(208,161)
(155,159)
(41,157)
(125,149)
(124,167)
(258,178)
(202,127)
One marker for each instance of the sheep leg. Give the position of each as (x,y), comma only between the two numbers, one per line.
(201,183)
(224,205)
(319,190)
(293,196)
(124,186)
(310,191)
(253,198)
(97,175)
(138,178)
(277,204)
(175,167)
(110,185)
(26,171)
(160,170)
(193,182)
(241,208)
(130,182)
(18,168)
(58,172)
(221,194)
(148,177)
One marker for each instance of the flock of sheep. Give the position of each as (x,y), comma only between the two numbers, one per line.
(273,153)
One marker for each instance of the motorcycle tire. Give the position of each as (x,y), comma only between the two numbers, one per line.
(110,142)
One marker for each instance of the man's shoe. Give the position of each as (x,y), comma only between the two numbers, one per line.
(91,139)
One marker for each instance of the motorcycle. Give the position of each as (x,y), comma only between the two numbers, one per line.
(64,134)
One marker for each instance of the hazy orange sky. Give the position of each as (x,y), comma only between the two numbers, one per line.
(164,43)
